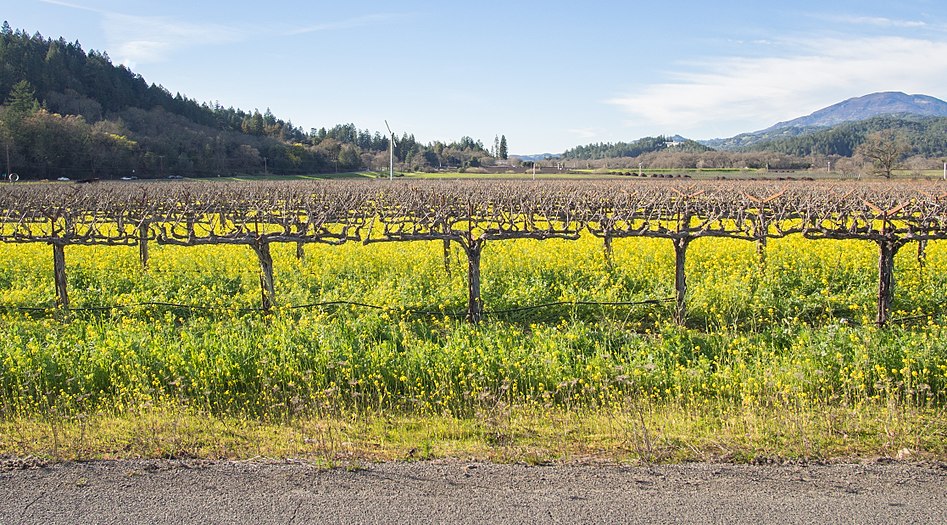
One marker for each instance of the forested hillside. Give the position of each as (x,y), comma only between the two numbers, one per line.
(71,113)
(927,137)
(606,150)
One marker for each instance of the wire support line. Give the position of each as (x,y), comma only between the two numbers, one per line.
(310,306)
(913,318)
(579,303)
(335,303)
(128,306)
(405,310)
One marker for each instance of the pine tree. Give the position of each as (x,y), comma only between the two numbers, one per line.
(22,100)
(503,153)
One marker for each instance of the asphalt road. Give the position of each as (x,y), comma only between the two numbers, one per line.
(451,491)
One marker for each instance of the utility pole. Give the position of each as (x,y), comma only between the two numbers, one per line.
(391,152)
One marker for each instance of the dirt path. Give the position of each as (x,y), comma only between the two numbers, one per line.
(452,491)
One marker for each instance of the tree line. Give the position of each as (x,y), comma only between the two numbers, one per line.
(606,150)
(71,113)
(924,136)
(874,146)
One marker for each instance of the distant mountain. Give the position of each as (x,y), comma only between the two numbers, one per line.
(537,156)
(746,140)
(927,137)
(851,110)
(868,106)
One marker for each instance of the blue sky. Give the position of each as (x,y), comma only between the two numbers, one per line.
(549,75)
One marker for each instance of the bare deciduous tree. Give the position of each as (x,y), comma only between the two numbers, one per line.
(884,149)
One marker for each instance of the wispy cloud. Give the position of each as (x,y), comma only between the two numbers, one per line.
(154,39)
(586,133)
(137,39)
(351,23)
(878,21)
(70,5)
(731,93)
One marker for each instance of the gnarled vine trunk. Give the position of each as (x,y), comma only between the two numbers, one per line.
(59,275)
(474,301)
(267,288)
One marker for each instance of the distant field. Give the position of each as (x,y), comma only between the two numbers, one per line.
(746,174)
(579,174)
(696,174)
(361,175)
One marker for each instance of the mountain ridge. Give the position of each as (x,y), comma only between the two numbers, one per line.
(868,106)
(855,109)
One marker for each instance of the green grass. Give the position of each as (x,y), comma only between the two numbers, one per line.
(639,433)
(314,176)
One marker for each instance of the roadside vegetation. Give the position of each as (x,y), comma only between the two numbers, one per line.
(781,364)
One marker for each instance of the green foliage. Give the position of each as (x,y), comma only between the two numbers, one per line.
(21,101)
(348,158)
(605,150)
(926,137)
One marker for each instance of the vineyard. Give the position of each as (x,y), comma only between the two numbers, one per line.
(471,214)
(747,306)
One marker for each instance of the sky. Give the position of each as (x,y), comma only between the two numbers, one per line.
(548,75)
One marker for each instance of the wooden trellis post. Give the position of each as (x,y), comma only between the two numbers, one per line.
(607,249)
(888,248)
(143,245)
(300,251)
(761,226)
(680,279)
(473,248)
(447,257)
(761,254)
(59,275)
(761,239)
(267,288)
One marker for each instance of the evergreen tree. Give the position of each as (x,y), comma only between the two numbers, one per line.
(20,104)
(503,153)
(22,100)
